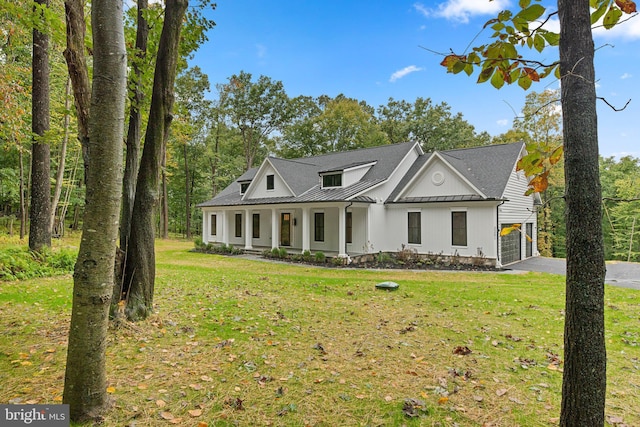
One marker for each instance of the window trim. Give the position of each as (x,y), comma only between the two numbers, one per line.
(417,228)
(271,182)
(348,225)
(244,186)
(455,242)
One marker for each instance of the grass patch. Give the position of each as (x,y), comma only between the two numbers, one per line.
(239,342)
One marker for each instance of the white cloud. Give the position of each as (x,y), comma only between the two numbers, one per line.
(261,50)
(626,76)
(462,10)
(401,73)
(629,29)
(503,122)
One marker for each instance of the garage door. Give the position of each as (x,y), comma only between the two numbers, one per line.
(510,247)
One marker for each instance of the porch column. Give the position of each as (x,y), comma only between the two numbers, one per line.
(342,233)
(225,227)
(306,226)
(248,232)
(275,236)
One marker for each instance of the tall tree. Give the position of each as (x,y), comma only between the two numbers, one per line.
(85,387)
(584,375)
(257,109)
(139,277)
(135,124)
(39,214)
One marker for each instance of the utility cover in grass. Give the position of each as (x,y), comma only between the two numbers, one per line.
(387,286)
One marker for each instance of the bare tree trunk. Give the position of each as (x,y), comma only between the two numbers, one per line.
(164,212)
(23,202)
(187,193)
(39,225)
(63,154)
(139,278)
(85,387)
(78,72)
(134,132)
(584,377)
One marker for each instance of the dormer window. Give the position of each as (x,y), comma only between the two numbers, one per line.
(243,187)
(332,180)
(270,182)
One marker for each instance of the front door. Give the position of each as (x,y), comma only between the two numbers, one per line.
(285,229)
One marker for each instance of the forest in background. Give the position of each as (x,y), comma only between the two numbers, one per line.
(220,129)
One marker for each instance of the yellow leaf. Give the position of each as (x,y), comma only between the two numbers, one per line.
(443,400)
(111,390)
(202,424)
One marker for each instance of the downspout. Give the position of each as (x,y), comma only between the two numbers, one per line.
(345,227)
(498,254)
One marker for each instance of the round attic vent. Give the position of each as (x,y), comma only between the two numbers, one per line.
(437,178)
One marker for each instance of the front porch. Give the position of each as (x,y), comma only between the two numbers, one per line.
(336,230)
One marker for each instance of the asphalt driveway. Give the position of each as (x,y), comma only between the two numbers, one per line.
(623,274)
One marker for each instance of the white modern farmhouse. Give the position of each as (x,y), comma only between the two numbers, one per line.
(384,198)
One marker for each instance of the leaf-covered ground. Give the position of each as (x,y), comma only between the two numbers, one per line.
(248,343)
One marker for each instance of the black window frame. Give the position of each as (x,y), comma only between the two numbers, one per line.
(256,226)
(318,226)
(332,180)
(271,182)
(243,187)
(459,228)
(414,228)
(213,225)
(349,227)
(238,225)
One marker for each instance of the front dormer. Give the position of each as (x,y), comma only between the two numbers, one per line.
(244,186)
(344,176)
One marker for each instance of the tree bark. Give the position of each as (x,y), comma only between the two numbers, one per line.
(39,225)
(584,378)
(187,194)
(139,278)
(23,202)
(78,73)
(164,212)
(61,164)
(134,131)
(85,387)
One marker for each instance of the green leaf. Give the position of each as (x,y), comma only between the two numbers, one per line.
(485,75)
(557,72)
(531,13)
(552,38)
(524,4)
(524,82)
(497,80)
(458,66)
(611,18)
(538,42)
(468,68)
(498,26)
(595,16)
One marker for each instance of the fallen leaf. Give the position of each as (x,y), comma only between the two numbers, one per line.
(161,403)
(501,391)
(462,350)
(142,386)
(388,398)
(202,424)
(111,390)
(443,400)
(166,415)
(195,412)
(478,398)
(176,421)
(196,386)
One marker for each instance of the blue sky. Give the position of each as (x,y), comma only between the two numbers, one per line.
(373,50)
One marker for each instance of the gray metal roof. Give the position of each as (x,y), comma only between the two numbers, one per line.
(487,167)
(302,176)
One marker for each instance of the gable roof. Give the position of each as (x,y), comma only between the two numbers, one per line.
(487,168)
(302,176)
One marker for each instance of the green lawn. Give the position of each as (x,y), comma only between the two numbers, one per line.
(249,343)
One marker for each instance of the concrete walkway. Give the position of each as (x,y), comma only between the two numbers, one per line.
(623,274)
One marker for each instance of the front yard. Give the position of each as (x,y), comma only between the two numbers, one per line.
(239,342)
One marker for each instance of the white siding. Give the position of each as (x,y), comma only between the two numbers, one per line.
(382,191)
(437,179)
(519,209)
(258,187)
(351,176)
